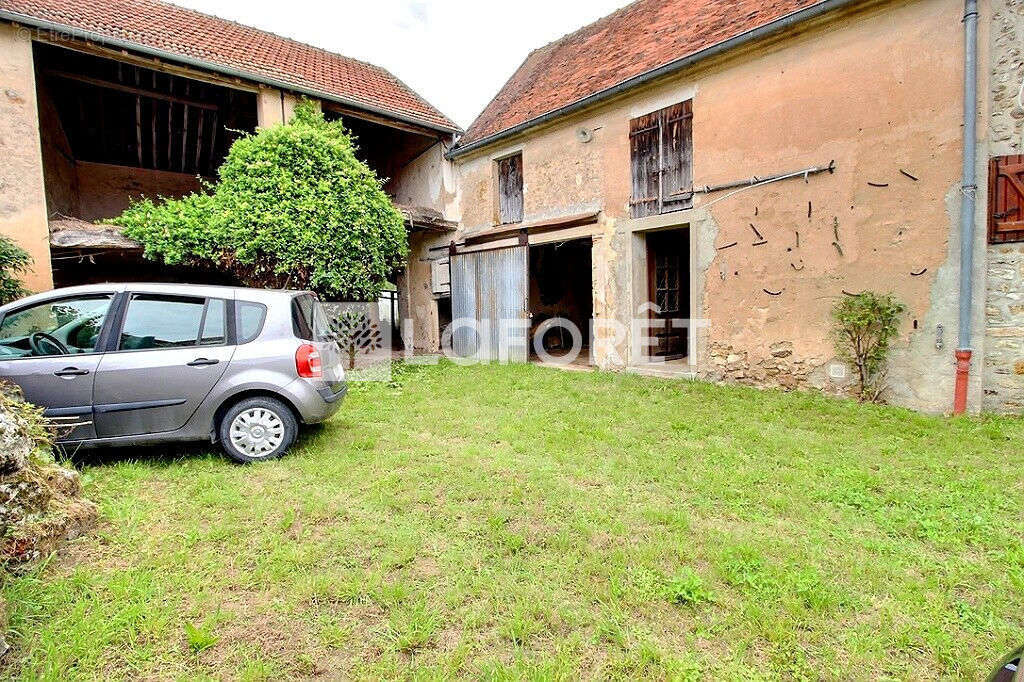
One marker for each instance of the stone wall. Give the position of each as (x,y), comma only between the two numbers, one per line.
(1003,374)
(1004,343)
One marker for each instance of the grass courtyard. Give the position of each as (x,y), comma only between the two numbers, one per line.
(508,522)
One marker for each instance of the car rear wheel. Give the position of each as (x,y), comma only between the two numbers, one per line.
(257,429)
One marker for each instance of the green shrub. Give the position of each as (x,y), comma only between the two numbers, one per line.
(14,262)
(293,207)
(864,324)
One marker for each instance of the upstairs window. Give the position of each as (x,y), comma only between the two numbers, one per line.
(661,151)
(510,189)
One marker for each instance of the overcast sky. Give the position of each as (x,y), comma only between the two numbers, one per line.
(455,53)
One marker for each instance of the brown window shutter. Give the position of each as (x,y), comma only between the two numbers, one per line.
(661,155)
(677,156)
(644,134)
(510,189)
(1006,199)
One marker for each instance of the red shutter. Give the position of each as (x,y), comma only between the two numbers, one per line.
(1006,199)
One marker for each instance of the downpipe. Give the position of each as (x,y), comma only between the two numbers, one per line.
(968,188)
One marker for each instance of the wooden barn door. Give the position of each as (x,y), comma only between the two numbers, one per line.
(490,287)
(1006,199)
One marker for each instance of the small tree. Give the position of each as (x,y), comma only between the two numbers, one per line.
(293,206)
(14,262)
(864,325)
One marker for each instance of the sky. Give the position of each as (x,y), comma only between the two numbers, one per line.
(455,53)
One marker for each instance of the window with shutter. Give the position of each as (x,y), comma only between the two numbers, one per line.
(661,151)
(510,189)
(1006,199)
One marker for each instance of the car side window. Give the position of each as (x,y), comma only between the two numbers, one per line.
(159,321)
(249,320)
(213,323)
(62,326)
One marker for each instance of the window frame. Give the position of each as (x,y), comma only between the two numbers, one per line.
(101,340)
(114,341)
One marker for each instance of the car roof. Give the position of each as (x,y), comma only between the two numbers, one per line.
(204,290)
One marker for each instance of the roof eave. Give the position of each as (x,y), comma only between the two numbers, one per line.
(763,31)
(102,39)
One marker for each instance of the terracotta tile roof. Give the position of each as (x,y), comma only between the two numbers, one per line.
(155,25)
(633,40)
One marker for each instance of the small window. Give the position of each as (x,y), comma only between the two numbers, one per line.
(249,320)
(510,189)
(57,327)
(213,324)
(661,156)
(162,322)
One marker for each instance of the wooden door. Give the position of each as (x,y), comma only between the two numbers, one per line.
(668,279)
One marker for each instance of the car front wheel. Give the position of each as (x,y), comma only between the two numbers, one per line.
(257,429)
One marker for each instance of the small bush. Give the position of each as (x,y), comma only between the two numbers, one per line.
(14,262)
(687,588)
(864,325)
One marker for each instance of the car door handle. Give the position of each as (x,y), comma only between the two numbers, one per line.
(202,362)
(71,372)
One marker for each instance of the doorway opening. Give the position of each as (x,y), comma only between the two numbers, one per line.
(668,289)
(561,286)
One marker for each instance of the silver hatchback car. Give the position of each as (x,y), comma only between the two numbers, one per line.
(133,364)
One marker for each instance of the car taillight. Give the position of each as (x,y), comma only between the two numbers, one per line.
(307,362)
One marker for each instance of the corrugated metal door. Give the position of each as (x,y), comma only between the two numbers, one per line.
(491,288)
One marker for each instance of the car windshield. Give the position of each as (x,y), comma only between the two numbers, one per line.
(59,327)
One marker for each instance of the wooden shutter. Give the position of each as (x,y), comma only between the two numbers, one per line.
(510,189)
(644,133)
(661,155)
(1006,199)
(677,157)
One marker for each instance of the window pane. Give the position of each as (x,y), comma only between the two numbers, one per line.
(161,322)
(213,328)
(74,323)
(249,320)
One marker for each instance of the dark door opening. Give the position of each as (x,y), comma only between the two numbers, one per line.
(561,286)
(668,282)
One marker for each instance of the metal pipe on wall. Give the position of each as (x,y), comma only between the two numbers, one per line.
(969,189)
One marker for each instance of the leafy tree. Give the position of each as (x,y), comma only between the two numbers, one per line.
(863,327)
(14,262)
(292,206)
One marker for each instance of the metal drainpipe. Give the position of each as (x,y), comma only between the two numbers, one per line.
(968,189)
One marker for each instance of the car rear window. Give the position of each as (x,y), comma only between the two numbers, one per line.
(309,321)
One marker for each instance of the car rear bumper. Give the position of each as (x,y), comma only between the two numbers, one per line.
(316,402)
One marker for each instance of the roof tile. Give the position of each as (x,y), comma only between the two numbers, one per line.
(218,42)
(633,40)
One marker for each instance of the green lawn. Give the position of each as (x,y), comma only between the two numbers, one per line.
(519,521)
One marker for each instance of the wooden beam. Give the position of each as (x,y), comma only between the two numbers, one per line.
(109,85)
(148,62)
(347,112)
(199,140)
(138,121)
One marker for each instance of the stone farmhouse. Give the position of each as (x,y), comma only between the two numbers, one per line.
(744,163)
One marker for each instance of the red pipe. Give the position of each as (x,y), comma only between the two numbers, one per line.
(963,370)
